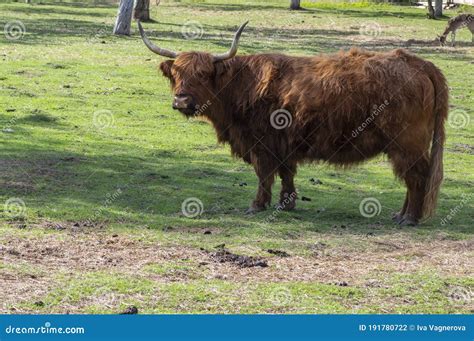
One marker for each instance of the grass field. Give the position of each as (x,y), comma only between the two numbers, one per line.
(95,167)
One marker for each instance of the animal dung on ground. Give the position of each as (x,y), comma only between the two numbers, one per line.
(132,310)
(225,256)
(341,284)
(278,253)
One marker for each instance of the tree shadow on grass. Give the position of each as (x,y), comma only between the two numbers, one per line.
(76,3)
(356,12)
(153,186)
(254,40)
(234,7)
(51,31)
(56,9)
(360,13)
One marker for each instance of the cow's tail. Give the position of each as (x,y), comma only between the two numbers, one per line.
(435,175)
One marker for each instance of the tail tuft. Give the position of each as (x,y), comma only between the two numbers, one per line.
(435,175)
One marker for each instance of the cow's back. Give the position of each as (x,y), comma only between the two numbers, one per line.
(349,106)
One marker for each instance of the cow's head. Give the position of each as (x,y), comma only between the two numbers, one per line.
(192,74)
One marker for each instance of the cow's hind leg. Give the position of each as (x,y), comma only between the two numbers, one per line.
(397,217)
(415,172)
(265,170)
(287,172)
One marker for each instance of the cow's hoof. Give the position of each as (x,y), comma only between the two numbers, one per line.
(407,221)
(254,209)
(287,201)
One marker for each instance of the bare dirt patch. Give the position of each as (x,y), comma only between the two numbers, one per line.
(16,289)
(89,251)
(397,254)
(70,252)
(99,250)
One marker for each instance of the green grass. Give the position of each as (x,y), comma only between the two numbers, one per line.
(90,144)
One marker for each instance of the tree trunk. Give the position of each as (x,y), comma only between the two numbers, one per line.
(295,4)
(431,11)
(124,18)
(142,10)
(438,8)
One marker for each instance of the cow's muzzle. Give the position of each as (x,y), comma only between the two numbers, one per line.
(184,103)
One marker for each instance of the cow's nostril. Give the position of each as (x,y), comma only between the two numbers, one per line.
(182,101)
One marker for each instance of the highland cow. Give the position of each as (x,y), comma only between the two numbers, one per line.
(277,111)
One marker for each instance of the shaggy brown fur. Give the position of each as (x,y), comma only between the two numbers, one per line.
(345,108)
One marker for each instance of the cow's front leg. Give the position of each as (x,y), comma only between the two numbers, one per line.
(265,170)
(287,173)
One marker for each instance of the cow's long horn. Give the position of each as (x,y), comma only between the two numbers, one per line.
(158,50)
(235,45)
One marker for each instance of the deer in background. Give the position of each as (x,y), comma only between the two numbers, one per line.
(454,24)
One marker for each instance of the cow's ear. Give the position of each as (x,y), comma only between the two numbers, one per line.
(165,68)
